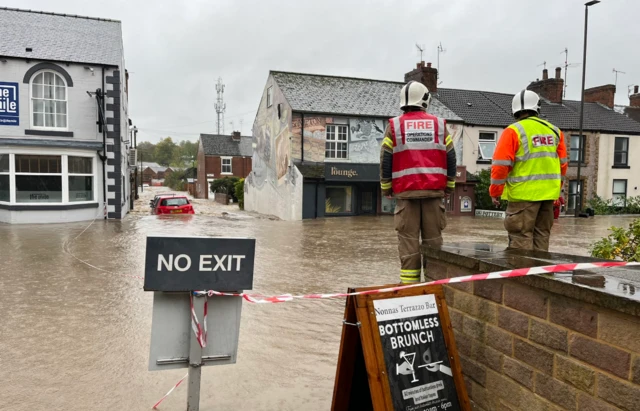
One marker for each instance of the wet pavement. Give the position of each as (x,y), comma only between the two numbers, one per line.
(75,337)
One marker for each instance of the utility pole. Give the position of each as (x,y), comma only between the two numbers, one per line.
(578,202)
(135,146)
(141,175)
(220,106)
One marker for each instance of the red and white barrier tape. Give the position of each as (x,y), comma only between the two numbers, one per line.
(170,391)
(201,335)
(520,272)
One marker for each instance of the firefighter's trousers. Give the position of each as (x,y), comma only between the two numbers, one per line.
(417,219)
(529,224)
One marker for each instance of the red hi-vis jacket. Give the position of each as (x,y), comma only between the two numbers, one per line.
(419,152)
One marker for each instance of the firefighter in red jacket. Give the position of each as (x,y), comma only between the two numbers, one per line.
(418,167)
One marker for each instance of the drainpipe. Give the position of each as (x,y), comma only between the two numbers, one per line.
(302,140)
(104,148)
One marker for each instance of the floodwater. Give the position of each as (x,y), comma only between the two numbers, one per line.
(75,337)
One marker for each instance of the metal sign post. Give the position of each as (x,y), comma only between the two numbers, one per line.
(190,330)
(195,362)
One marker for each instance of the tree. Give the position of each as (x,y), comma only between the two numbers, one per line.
(483,199)
(146,151)
(225,186)
(164,151)
(239,190)
(185,154)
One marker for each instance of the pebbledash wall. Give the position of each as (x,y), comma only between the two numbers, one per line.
(542,343)
(81,138)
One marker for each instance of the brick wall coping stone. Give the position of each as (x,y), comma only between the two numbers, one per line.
(614,288)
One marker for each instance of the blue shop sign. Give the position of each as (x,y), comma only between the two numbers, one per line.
(9,104)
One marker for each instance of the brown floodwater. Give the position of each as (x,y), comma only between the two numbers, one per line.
(74,337)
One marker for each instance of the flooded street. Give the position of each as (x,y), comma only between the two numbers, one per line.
(75,337)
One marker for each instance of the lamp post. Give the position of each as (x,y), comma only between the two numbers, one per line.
(584,72)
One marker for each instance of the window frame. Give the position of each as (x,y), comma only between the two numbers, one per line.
(615,152)
(481,157)
(222,160)
(7,173)
(336,133)
(269,96)
(64,175)
(350,197)
(92,175)
(582,149)
(31,101)
(613,193)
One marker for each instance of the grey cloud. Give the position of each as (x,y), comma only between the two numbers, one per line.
(177,50)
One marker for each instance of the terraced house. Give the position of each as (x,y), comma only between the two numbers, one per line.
(317,140)
(63,118)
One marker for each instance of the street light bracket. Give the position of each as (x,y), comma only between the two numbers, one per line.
(591,3)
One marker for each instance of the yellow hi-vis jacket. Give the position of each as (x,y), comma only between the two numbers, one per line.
(529,162)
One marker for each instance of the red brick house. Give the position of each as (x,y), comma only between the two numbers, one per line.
(222,156)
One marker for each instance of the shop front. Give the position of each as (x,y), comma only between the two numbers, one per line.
(341,189)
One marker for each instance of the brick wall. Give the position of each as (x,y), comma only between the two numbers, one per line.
(240,166)
(202,185)
(603,95)
(523,348)
(221,198)
(589,169)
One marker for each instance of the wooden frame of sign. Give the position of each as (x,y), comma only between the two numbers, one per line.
(398,353)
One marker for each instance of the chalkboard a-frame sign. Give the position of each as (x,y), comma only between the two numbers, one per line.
(398,353)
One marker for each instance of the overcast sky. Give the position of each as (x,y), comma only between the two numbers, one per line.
(176,50)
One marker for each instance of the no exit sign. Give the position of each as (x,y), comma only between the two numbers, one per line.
(199,264)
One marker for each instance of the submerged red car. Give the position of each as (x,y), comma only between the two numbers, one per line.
(173,205)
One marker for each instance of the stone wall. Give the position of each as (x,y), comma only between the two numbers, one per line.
(539,343)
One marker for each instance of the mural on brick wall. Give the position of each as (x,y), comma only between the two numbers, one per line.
(271,137)
(314,137)
(365,140)
(273,187)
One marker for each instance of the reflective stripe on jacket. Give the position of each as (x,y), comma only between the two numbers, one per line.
(535,168)
(419,152)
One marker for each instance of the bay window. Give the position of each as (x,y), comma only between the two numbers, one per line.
(43,178)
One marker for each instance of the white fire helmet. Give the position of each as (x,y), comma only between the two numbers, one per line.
(415,94)
(525,100)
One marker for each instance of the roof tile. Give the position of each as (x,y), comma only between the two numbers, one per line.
(348,96)
(219,145)
(60,37)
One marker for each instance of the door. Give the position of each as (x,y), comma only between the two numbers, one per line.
(309,204)
(367,202)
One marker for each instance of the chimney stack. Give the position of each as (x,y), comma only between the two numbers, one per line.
(549,88)
(235,136)
(634,99)
(602,94)
(426,75)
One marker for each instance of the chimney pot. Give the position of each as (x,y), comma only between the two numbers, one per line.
(558,73)
(428,64)
(635,90)
(545,74)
